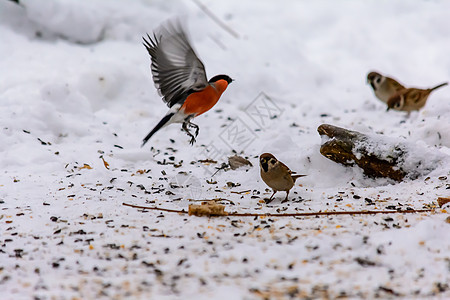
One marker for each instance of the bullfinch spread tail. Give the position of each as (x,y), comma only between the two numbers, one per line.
(180,78)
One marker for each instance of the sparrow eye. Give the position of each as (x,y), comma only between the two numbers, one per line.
(273,161)
(378,80)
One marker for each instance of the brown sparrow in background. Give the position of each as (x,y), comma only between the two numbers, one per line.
(276,174)
(411,99)
(383,87)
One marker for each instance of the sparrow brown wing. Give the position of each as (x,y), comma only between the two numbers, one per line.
(283,166)
(176,69)
(288,171)
(416,95)
(397,86)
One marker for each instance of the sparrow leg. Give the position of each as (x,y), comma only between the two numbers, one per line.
(184,126)
(287,195)
(270,199)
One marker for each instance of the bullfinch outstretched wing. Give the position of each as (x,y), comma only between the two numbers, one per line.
(176,69)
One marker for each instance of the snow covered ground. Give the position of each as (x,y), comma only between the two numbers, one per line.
(76,89)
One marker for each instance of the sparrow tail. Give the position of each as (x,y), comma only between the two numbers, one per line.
(297,176)
(438,86)
(157,127)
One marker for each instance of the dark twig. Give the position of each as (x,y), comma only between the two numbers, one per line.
(222,167)
(241,192)
(156,208)
(329,213)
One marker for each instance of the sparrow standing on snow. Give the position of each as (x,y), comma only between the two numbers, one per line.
(383,87)
(411,99)
(180,78)
(276,174)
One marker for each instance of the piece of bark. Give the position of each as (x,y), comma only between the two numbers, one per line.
(377,155)
(236,161)
(442,201)
(207,209)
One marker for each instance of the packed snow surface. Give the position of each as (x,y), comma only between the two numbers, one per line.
(77,98)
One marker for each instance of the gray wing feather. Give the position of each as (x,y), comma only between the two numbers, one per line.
(176,69)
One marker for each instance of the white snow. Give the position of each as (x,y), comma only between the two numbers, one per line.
(413,159)
(76,87)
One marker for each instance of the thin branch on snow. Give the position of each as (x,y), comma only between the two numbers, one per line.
(303,214)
